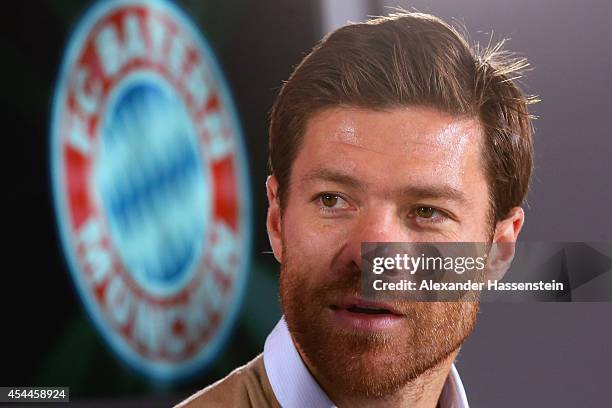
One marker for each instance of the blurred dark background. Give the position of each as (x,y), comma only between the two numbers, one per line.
(520,355)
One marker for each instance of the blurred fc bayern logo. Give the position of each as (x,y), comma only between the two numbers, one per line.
(150,185)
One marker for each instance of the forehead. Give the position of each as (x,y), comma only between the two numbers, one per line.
(408,143)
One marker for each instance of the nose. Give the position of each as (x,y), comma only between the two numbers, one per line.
(381,224)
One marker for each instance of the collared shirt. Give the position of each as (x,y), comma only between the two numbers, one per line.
(294,386)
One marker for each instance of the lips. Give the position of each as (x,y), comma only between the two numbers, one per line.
(364,316)
(356,305)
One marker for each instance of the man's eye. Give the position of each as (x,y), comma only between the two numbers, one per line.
(425,212)
(332,202)
(329,200)
(430,215)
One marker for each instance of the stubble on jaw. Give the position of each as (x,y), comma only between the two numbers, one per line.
(367,364)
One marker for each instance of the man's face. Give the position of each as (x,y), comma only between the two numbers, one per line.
(405,175)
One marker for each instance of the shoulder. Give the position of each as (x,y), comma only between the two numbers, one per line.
(246,386)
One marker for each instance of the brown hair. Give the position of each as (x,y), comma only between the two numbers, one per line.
(409,59)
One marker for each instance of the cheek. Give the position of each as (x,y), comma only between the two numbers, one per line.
(478,228)
(311,240)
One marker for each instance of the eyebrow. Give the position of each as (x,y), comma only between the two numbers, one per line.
(334,177)
(442,191)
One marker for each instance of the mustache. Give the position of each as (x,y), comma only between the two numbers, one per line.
(342,281)
(346,283)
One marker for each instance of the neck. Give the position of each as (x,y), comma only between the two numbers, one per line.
(423,392)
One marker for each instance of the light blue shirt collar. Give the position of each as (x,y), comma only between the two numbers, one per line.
(294,386)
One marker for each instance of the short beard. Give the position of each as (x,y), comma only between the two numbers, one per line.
(368,364)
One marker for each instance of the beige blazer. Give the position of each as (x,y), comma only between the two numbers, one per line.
(246,386)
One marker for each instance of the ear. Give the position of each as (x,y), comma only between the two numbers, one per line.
(273,221)
(504,238)
(507,230)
